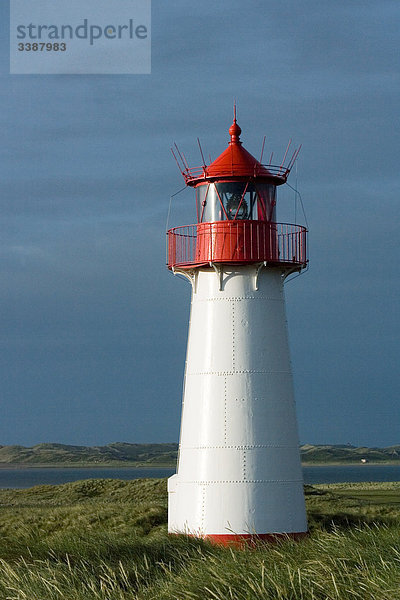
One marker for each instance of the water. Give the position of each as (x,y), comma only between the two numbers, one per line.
(24,478)
(351,473)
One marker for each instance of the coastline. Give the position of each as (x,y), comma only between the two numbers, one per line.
(85,466)
(144,465)
(394,463)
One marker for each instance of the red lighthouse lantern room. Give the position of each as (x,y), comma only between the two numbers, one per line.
(236,214)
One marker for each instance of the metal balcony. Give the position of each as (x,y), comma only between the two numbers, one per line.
(237,242)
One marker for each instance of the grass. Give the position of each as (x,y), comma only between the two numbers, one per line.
(107,540)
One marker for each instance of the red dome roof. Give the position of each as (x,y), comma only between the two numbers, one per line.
(233,164)
(235,161)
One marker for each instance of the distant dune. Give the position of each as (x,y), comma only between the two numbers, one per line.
(346,454)
(164,455)
(118,453)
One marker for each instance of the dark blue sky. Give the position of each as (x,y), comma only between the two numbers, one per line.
(93,326)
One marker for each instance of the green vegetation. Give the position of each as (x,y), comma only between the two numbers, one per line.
(117,454)
(107,540)
(349,454)
(164,455)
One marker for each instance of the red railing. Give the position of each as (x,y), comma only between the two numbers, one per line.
(236,242)
(194,173)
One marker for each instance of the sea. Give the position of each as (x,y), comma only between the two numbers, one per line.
(25,478)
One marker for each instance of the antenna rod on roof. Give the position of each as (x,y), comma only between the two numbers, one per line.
(176,160)
(181,157)
(201,152)
(234,110)
(287,150)
(262,149)
(186,162)
(290,164)
(294,157)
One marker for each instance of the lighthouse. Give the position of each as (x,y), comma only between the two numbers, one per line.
(239,474)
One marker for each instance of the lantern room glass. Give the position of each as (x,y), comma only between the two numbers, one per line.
(236,200)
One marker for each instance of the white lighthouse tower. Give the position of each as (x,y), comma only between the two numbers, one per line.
(239,475)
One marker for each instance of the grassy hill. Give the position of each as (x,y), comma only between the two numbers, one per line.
(119,453)
(164,455)
(348,454)
(107,540)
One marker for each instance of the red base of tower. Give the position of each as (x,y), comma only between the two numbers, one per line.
(243,540)
(251,540)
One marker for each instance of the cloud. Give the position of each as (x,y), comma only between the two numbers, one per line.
(94,327)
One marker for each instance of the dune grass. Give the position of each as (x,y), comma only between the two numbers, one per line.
(107,539)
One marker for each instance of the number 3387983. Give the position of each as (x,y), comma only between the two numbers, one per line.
(42,47)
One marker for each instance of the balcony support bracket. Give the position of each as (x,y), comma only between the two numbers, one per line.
(219,270)
(287,272)
(189,274)
(258,268)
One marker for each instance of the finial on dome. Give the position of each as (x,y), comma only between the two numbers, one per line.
(234,129)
